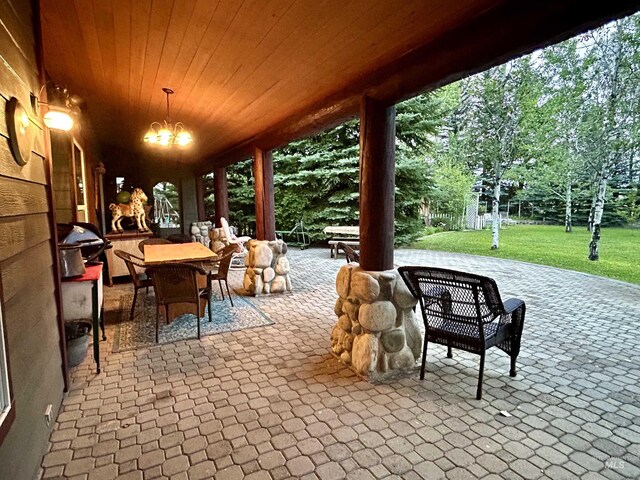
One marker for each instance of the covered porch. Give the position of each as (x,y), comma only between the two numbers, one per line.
(273,402)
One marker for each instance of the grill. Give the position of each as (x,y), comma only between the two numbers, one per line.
(79,243)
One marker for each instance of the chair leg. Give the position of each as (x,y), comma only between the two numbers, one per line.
(209,306)
(198,306)
(449,352)
(221,291)
(424,360)
(512,372)
(157,321)
(133,304)
(479,392)
(228,292)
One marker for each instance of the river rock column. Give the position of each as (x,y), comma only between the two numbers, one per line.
(200,233)
(377,331)
(216,235)
(267,267)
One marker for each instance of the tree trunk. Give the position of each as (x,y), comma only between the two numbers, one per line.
(592,211)
(567,210)
(597,217)
(609,125)
(495,216)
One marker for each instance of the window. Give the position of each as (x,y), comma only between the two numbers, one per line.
(6,412)
(166,205)
(119,184)
(80,183)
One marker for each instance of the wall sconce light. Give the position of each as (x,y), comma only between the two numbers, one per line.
(58,119)
(59,109)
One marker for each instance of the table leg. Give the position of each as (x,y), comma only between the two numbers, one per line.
(104,336)
(96,325)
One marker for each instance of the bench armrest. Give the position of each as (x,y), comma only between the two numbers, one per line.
(512,318)
(512,304)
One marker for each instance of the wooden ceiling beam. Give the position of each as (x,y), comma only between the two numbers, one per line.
(507,31)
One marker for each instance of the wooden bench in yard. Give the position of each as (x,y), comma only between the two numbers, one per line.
(347,235)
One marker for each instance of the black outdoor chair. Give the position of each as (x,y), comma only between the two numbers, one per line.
(463,310)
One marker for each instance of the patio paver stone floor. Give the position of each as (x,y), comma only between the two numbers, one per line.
(273,403)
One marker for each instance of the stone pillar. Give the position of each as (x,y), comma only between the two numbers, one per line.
(218,239)
(220,194)
(267,267)
(201,232)
(377,184)
(377,331)
(265,202)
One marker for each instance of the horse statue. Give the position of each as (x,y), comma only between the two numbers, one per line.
(135,209)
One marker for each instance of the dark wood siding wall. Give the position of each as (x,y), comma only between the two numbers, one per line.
(26,259)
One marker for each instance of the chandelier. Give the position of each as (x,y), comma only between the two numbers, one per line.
(167,134)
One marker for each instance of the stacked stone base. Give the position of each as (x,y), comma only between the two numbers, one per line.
(200,232)
(267,267)
(217,239)
(377,332)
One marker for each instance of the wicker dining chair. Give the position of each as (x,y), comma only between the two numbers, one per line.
(223,263)
(178,283)
(140,279)
(152,241)
(350,253)
(462,310)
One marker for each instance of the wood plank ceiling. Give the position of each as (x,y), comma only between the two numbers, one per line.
(246,69)
(237,67)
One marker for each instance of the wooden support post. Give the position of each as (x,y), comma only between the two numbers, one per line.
(220,194)
(377,184)
(265,202)
(202,216)
(51,214)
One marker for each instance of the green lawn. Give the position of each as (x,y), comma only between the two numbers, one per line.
(550,245)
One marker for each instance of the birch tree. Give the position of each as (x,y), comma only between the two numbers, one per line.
(614,74)
(493,127)
(557,135)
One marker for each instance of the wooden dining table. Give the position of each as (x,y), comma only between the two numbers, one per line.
(177,252)
(194,252)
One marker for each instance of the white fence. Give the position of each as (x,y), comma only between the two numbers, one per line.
(476,223)
(470,220)
(455,222)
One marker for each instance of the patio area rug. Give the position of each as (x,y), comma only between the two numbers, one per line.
(141,331)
